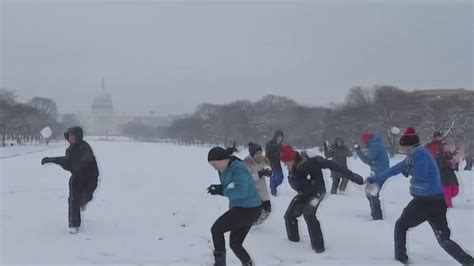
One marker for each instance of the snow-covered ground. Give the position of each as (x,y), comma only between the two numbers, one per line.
(151,208)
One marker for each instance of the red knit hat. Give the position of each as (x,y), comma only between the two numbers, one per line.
(287,153)
(366,136)
(409,137)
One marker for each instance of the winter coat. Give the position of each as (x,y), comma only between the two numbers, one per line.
(421,165)
(434,147)
(238,185)
(306,176)
(446,169)
(339,155)
(260,182)
(272,151)
(79,159)
(377,157)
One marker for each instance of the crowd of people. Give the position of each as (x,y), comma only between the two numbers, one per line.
(433,186)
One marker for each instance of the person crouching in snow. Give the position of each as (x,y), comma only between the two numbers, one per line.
(259,167)
(428,202)
(81,162)
(305,176)
(245,204)
(448,176)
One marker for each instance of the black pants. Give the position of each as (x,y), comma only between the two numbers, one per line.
(468,164)
(375,206)
(432,210)
(238,221)
(301,205)
(81,191)
(339,182)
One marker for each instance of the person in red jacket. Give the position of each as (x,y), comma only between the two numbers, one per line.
(434,146)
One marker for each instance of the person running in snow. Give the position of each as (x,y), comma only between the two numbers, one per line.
(448,176)
(81,162)
(377,159)
(434,146)
(469,157)
(272,152)
(339,153)
(428,202)
(305,176)
(259,167)
(245,204)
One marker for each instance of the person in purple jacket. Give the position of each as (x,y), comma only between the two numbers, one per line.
(428,202)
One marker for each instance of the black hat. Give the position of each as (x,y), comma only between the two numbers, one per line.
(409,137)
(254,148)
(437,134)
(219,153)
(278,133)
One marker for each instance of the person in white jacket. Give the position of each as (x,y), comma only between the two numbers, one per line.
(259,167)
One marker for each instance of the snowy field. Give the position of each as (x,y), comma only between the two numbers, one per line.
(151,208)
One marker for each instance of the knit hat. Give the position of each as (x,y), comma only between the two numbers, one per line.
(366,137)
(287,153)
(254,148)
(219,153)
(409,137)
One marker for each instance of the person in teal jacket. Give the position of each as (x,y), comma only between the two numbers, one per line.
(236,183)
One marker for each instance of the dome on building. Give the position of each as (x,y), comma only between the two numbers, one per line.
(102,103)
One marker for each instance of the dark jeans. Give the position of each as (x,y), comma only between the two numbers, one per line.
(300,205)
(238,221)
(81,191)
(340,183)
(432,210)
(375,207)
(468,164)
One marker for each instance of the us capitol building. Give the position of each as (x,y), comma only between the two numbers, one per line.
(102,120)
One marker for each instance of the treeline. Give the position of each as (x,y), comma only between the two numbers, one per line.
(22,122)
(379,109)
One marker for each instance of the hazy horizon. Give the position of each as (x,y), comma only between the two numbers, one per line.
(169,57)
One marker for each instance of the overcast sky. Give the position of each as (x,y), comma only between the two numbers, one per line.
(169,57)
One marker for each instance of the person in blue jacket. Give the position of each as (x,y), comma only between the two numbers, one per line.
(236,183)
(377,159)
(428,202)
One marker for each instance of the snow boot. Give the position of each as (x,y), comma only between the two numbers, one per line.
(219,258)
(73,230)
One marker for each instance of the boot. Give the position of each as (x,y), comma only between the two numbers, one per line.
(219,258)
(248,263)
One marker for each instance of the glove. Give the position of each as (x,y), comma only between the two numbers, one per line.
(46,160)
(357,179)
(265,172)
(356,146)
(215,190)
(405,173)
(369,180)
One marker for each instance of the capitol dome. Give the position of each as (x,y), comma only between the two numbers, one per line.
(102,103)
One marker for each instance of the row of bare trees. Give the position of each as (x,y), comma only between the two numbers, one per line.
(22,122)
(378,109)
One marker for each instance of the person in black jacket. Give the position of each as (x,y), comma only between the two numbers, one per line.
(272,152)
(469,157)
(80,161)
(339,154)
(305,176)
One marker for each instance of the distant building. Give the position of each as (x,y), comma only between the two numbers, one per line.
(102,120)
(436,94)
